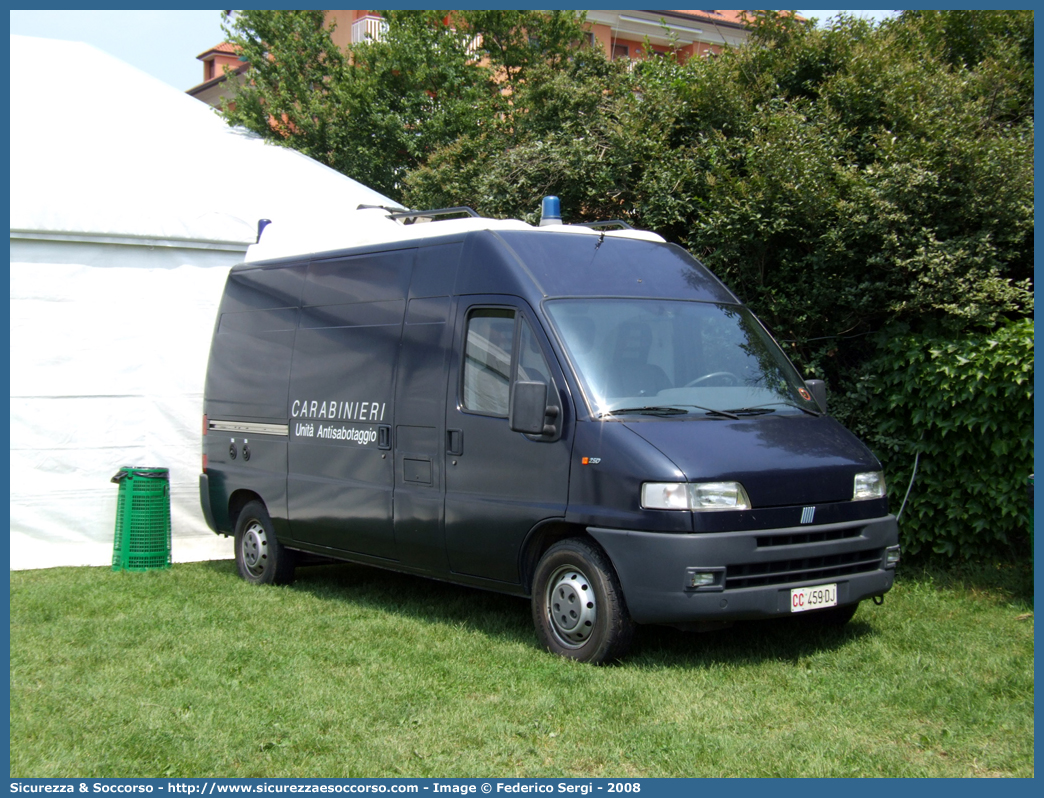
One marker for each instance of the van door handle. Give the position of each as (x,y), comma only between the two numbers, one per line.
(455,441)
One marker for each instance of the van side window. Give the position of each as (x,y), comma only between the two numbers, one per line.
(487,360)
(532,367)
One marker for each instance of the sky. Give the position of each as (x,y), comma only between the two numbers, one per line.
(165,43)
(162,43)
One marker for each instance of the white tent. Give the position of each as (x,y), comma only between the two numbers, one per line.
(129,202)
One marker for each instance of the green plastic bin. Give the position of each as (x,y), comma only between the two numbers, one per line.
(142,539)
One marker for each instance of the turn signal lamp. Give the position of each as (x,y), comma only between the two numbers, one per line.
(891,556)
(701,578)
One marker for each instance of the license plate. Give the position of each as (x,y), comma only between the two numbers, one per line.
(813,598)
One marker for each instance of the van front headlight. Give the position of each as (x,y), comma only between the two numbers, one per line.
(869,485)
(694,496)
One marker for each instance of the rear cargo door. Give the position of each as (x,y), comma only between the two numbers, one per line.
(499,483)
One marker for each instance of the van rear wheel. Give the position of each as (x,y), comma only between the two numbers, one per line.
(578,605)
(261,558)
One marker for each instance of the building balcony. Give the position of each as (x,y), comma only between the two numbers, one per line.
(368,29)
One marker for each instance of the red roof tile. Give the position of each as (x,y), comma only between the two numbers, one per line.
(732,17)
(728,17)
(225,48)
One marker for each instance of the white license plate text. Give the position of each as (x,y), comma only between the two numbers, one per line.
(813,598)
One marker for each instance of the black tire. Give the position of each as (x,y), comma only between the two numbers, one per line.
(578,606)
(831,617)
(260,558)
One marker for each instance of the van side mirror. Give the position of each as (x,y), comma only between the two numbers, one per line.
(529,409)
(818,390)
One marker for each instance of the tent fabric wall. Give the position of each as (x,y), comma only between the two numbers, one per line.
(129,203)
(109,350)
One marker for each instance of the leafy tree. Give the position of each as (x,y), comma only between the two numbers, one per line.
(558,135)
(379,110)
(290,90)
(969,434)
(511,43)
(839,179)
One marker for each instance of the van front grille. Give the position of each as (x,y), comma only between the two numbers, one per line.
(803,569)
(766,541)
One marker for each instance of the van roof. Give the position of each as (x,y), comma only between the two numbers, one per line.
(374,226)
(512,257)
(578,266)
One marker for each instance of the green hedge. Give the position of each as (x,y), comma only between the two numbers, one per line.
(965,405)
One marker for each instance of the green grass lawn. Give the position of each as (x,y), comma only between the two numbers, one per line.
(354,672)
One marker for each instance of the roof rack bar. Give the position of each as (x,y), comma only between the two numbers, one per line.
(433,213)
(390,209)
(600,225)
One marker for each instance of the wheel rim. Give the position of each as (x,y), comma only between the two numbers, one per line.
(571,607)
(255,548)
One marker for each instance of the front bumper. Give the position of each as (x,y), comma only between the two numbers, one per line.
(757,570)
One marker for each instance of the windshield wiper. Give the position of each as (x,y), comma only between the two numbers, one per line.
(650,410)
(712,412)
(669,411)
(766,409)
(752,411)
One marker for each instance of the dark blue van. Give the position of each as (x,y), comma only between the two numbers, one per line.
(585,417)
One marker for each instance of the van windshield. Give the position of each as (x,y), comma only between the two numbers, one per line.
(635,355)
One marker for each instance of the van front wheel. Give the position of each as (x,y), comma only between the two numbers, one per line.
(261,558)
(578,605)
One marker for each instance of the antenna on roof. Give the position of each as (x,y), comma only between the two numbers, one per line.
(261,225)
